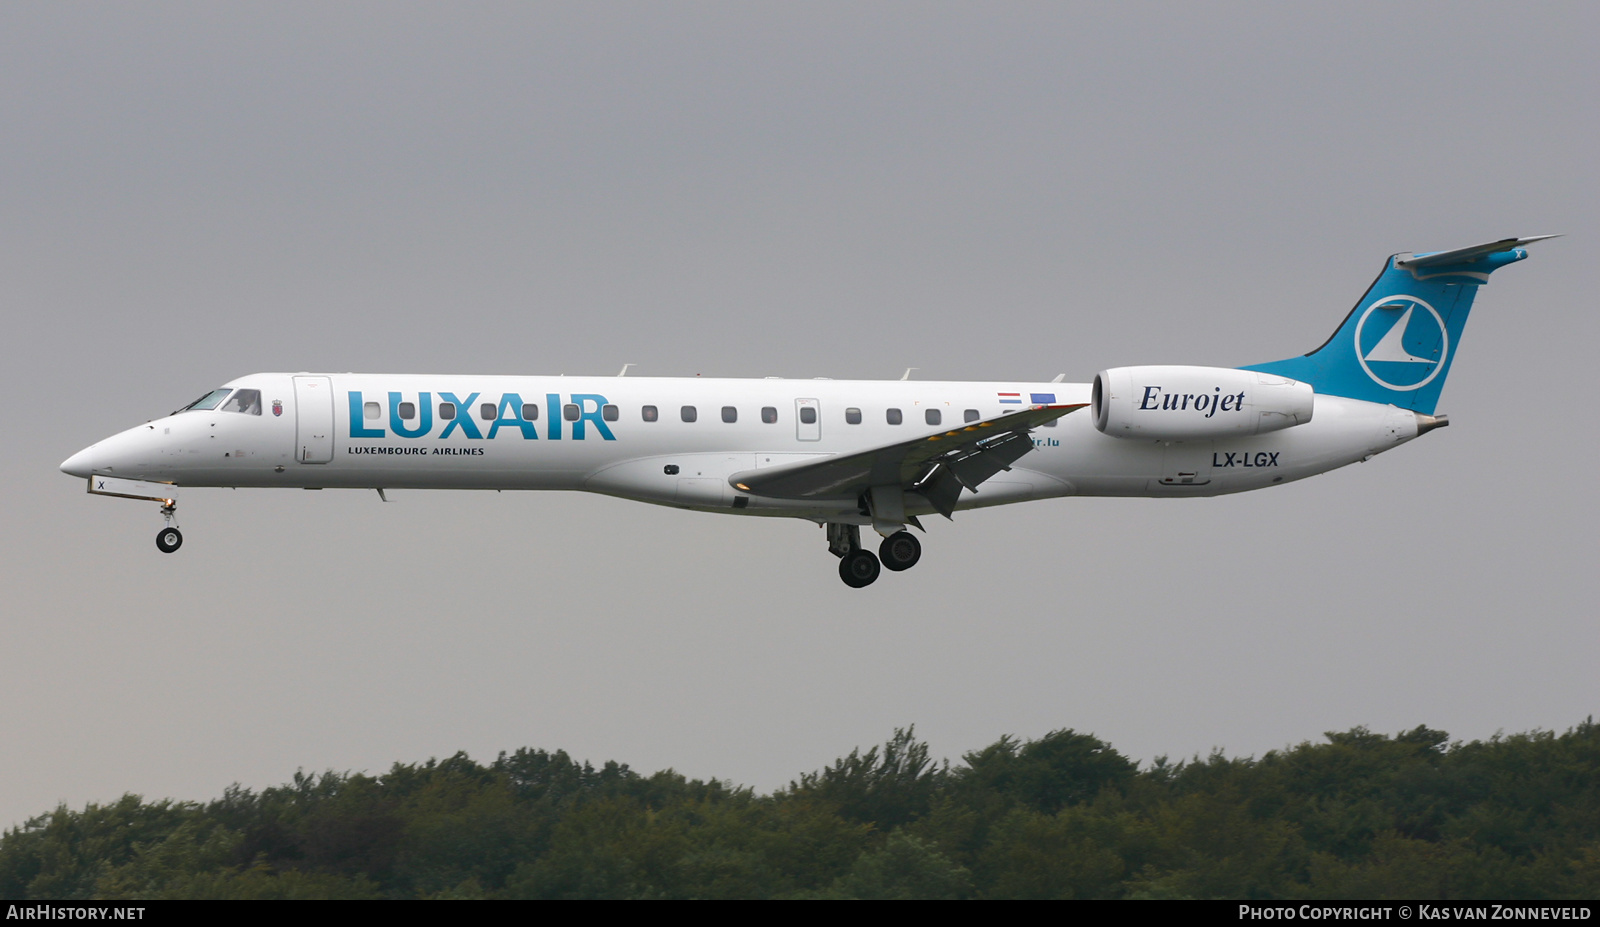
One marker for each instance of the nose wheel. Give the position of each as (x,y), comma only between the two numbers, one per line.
(169,539)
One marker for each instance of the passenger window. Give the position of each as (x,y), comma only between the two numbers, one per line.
(485,411)
(247,401)
(971,415)
(570,411)
(730,414)
(530,411)
(808,415)
(447,411)
(769,415)
(852,416)
(932,416)
(893,415)
(408,410)
(649,413)
(609,413)
(371,411)
(1051,423)
(688,413)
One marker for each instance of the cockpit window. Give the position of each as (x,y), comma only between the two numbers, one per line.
(208,401)
(247,401)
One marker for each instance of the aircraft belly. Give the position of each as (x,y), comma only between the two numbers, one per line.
(688,480)
(1343,432)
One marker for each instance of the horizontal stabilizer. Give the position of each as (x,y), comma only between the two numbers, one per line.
(969,454)
(1468,255)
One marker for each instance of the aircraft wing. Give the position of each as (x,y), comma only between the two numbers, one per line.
(938,466)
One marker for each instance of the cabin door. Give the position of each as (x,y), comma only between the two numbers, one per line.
(313,409)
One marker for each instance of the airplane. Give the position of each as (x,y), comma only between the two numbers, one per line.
(845,454)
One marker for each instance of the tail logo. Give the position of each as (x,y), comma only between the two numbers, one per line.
(1395,353)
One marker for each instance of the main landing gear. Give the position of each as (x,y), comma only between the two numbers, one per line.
(857,565)
(858,568)
(900,551)
(169,539)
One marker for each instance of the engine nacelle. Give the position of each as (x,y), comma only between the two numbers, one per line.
(1196,403)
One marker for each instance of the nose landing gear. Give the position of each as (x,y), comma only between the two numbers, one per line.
(169,539)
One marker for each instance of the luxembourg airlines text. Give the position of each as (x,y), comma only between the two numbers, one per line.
(452,451)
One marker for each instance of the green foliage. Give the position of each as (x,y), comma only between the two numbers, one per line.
(63,854)
(1076,853)
(906,868)
(1210,845)
(1362,814)
(886,789)
(1060,769)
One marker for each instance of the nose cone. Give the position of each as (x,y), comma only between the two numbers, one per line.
(135,454)
(82,463)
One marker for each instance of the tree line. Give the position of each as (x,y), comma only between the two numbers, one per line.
(1362,815)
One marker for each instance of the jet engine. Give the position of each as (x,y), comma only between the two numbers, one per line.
(1196,403)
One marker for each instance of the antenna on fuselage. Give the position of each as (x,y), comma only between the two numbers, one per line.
(907,374)
(1059,377)
(625,367)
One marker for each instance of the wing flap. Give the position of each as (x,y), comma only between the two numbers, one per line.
(943,484)
(966,455)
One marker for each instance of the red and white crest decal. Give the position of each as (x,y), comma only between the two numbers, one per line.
(277,407)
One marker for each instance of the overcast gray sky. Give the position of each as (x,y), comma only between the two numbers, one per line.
(190,193)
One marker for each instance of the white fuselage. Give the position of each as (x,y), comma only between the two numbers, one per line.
(408,431)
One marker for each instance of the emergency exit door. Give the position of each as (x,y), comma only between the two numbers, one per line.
(808,420)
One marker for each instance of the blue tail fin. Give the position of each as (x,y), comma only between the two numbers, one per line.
(1397,344)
